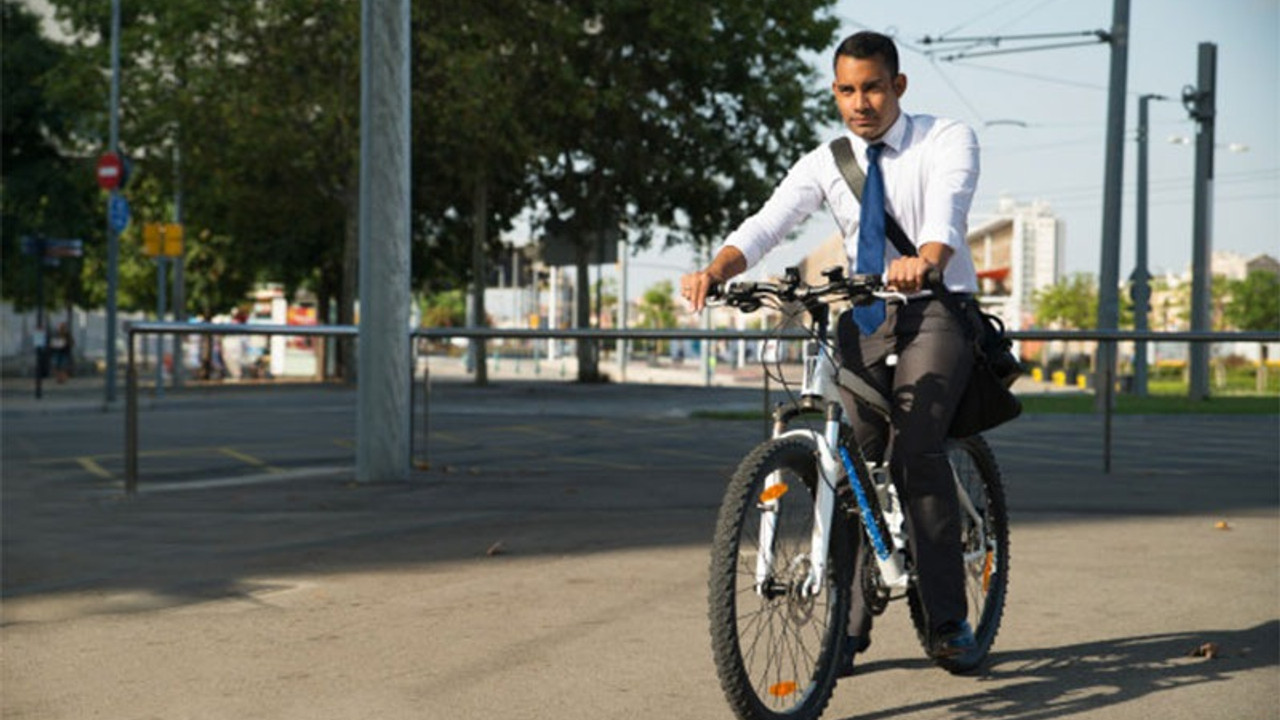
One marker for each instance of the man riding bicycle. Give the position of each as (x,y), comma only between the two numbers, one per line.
(922,170)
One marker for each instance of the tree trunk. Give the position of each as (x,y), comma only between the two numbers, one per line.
(588,366)
(347,369)
(1262,370)
(321,344)
(480,228)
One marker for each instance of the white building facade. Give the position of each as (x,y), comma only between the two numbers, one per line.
(1017,251)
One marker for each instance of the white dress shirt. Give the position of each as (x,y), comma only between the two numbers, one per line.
(930,169)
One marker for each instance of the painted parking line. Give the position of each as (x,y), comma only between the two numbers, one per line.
(92,467)
(725,460)
(274,476)
(248,459)
(437,435)
(599,463)
(178,452)
(534,430)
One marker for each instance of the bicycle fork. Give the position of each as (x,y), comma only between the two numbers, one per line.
(880,512)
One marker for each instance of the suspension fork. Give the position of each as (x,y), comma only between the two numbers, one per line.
(829,469)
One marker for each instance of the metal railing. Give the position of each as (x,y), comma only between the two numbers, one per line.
(132,330)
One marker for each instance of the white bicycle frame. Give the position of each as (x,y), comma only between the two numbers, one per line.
(823,380)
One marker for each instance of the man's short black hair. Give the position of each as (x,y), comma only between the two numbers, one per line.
(867,44)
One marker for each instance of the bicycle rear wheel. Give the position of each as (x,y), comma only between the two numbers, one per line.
(775,646)
(986,549)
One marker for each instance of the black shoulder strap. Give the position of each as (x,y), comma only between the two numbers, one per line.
(842,149)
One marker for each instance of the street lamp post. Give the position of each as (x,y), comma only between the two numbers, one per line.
(1201,103)
(1141,277)
(1109,271)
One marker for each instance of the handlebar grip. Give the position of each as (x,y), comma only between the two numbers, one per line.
(933,279)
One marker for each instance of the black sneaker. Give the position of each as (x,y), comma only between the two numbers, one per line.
(853,645)
(952,640)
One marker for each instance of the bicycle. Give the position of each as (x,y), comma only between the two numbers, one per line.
(783,555)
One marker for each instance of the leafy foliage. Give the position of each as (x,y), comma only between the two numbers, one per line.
(47,188)
(668,118)
(1071,303)
(1254,302)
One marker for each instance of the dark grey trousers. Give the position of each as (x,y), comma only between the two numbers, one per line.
(933,363)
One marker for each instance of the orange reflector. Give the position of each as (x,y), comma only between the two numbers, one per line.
(773,492)
(782,688)
(986,573)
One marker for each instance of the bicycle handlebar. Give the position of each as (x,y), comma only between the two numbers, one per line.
(860,289)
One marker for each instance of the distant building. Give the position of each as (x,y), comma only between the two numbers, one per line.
(1017,251)
(1235,266)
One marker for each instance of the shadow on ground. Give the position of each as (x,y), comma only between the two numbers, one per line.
(1076,680)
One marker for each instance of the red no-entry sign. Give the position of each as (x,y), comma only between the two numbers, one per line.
(110,171)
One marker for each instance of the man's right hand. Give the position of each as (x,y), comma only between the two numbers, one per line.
(694,288)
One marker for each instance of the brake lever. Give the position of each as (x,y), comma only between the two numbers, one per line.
(890,294)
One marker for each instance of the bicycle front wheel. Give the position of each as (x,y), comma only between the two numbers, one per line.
(775,642)
(986,550)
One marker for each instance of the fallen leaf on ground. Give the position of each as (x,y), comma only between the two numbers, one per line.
(495,549)
(1207,650)
(1221,525)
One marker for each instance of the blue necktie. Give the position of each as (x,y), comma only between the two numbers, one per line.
(871,239)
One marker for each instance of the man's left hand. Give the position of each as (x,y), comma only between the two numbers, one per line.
(906,274)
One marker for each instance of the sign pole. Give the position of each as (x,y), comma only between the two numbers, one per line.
(113,237)
(42,344)
(161,300)
(179,271)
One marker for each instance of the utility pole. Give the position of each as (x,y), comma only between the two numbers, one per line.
(113,238)
(1141,277)
(383,390)
(1109,274)
(1201,103)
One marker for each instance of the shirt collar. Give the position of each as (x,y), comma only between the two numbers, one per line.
(894,139)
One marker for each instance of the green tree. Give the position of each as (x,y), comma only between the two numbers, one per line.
(657,310)
(46,186)
(447,308)
(1069,304)
(671,118)
(1254,304)
(483,103)
(677,116)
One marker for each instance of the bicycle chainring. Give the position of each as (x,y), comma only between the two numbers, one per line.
(874,592)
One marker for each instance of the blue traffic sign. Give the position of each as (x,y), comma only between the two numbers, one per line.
(118,212)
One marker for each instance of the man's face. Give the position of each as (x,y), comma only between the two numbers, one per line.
(867,95)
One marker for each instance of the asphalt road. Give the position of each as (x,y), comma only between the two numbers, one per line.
(550,561)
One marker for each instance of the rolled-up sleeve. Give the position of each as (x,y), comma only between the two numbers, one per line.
(950,182)
(796,197)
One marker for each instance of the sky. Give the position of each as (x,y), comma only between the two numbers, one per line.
(1054,150)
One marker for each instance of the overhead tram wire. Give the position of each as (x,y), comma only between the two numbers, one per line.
(1026,14)
(981,16)
(956,90)
(995,41)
